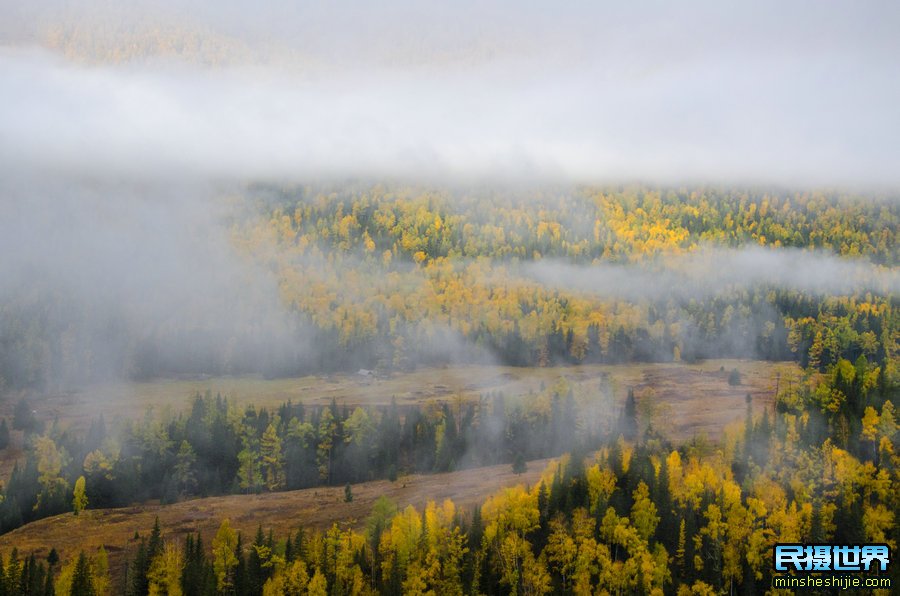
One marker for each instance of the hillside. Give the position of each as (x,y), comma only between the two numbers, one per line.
(318,508)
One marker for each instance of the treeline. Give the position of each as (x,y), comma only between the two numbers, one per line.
(29,575)
(613,223)
(635,517)
(217,448)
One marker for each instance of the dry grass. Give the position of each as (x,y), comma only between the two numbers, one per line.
(114,529)
(130,400)
(682,399)
(686,398)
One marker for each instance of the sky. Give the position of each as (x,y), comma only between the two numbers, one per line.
(796,93)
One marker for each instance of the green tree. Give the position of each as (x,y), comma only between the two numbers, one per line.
(519,466)
(4,434)
(629,417)
(185,465)
(82,578)
(327,428)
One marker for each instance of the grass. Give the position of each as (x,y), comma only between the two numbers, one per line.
(671,381)
(114,529)
(683,400)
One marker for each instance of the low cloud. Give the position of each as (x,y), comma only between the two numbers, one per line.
(712,271)
(802,94)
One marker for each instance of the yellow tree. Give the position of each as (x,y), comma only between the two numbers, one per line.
(643,512)
(50,461)
(445,549)
(100,572)
(164,576)
(509,516)
(400,543)
(318,585)
(271,458)
(79,500)
(224,557)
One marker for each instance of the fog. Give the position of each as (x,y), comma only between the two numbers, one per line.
(122,124)
(711,271)
(113,275)
(800,94)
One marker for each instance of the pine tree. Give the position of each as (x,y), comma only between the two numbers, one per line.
(49,589)
(4,434)
(255,576)
(82,580)
(185,465)
(662,497)
(519,466)
(137,575)
(240,569)
(154,545)
(629,417)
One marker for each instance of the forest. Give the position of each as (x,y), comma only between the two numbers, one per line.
(621,512)
(390,279)
(478,297)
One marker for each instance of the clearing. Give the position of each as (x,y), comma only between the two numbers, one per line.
(683,399)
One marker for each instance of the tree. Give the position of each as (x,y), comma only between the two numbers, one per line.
(318,585)
(82,579)
(100,572)
(348,494)
(224,556)
(643,512)
(629,417)
(519,466)
(249,475)
(185,464)
(259,563)
(271,458)
(294,581)
(50,461)
(4,434)
(327,428)
(165,572)
(80,500)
